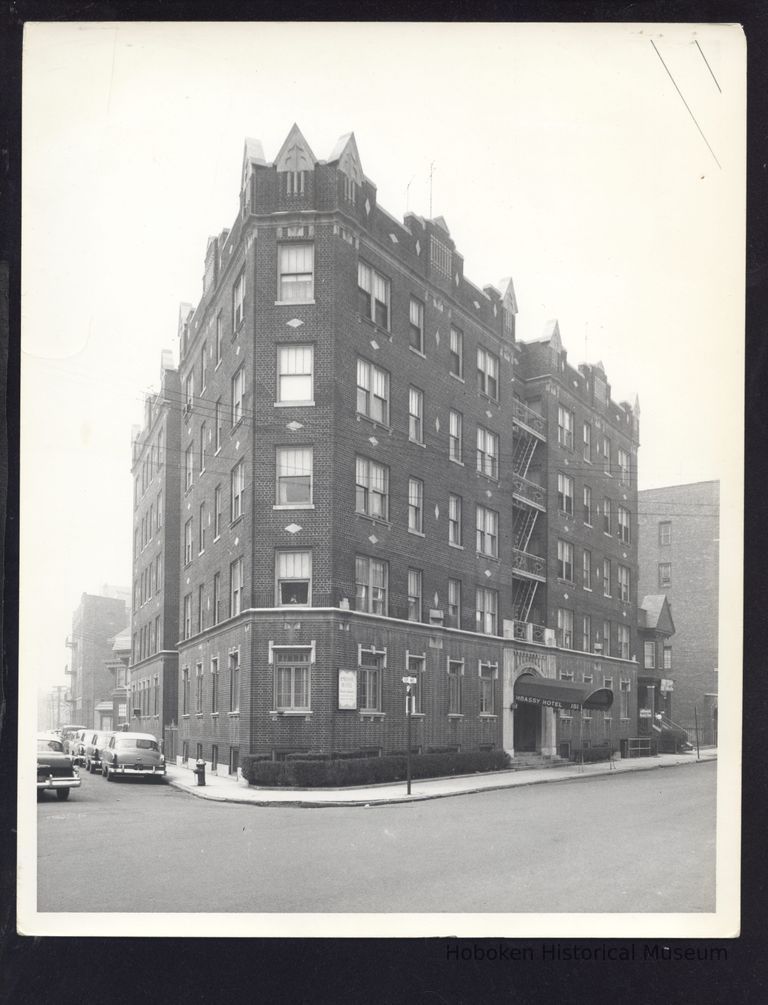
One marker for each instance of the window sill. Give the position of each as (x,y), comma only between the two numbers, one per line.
(294,404)
(418,715)
(185,715)
(374,519)
(236,521)
(214,715)
(455,715)
(458,547)
(216,538)
(455,460)
(198,715)
(294,303)
(587,589)
(487,558)
(289,506)
(456,377)
(371,323)
(488,715)
(235,426)
(373,422)
(291,713)
(371,715)
(417,533)
(234,715)
(565,513)
(417,443)
(417,352)
(236,331)
(218,364)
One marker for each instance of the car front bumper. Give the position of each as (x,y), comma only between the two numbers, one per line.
(125,769)
(58,783)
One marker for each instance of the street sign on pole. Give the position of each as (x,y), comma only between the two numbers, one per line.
(410,680)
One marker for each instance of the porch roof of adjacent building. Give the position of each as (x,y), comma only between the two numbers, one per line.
(561,693)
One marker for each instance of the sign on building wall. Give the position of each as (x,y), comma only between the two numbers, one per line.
(347,689)
(667,685)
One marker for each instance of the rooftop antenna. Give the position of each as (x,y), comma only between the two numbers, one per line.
(407,188)
(431,172)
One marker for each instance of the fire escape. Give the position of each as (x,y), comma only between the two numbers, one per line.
(528,500)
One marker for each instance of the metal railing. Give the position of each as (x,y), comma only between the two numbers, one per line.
(529,565)
(526,631)
(529,491)
(527,417)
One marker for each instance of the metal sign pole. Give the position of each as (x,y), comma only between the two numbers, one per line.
(696,720)
(408,738)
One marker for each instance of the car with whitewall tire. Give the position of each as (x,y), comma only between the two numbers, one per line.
(132,754)
(94,744)
(55,770)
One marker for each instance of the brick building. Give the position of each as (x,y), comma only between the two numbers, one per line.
(367,488)
(95,624)
(153,672)
(679,529)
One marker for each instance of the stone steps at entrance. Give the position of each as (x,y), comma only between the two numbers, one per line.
(527,761)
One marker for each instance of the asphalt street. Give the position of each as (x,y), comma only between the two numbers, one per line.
(634,842)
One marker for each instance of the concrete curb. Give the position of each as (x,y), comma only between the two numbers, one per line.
(421,797)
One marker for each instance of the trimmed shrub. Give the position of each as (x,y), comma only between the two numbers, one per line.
(591,754)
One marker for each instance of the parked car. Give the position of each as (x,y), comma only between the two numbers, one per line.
(55,769)
(77,746)
(94,744)
(70,736)
(132,754)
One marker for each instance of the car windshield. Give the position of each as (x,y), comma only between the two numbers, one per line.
(43,745)
(139,744)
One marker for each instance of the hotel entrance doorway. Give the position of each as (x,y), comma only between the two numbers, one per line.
(527,724)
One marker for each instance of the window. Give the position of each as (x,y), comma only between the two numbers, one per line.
(606,455)
(565,493)
(188,542)
(415,415)
(235,587)
(189,397)
(623,459)
(238,302)
(487,373)
(159,510)
(295,381)
(487,452)
(371,488)
(215,684)
(292,678)
(606,577)
(586,633)
(294,182)
(234,760)
(158,635)
(293,572)
(201,532)
(606,516)
(237,489)
(216,603)
(587,506)
(624,690)
(665,573)
(455,435)
(649,655)
(665,532)
(374,295)
(456,348)
(216,512)
(294,476)
(416,331)
(440,256)
(487,532)
(486,608)
(199,688)
(565,560)
(156,696)
(564,628)
(203,364)
(234,681)
(369,680)
(667,657)
(416,505)
(219,337)
(586,569)
(587,449)
(487,675)
(201,607)
(371,582)
(373,392)
(238,390)
(214,756)
(189,466)
(415,668)
(414,594)
(607,638)
(297,266)
(454,520)
(454,603)
(218,425)
(622,514)
(622,579)
(185,691)
(565,427)
(188,616)
(159,572)
(622,637)
(455,674)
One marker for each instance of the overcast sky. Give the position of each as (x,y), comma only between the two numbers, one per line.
(563,156)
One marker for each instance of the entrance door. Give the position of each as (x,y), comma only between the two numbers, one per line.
(527,719)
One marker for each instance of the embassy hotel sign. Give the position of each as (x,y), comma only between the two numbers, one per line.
(549,693)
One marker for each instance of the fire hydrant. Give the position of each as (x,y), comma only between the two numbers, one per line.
(199,770)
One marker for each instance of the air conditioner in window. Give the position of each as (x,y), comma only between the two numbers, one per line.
(549,637)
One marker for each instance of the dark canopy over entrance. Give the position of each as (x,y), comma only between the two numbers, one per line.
(550,693)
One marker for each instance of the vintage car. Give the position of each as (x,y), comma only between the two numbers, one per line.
(70,737)
(77,746)
(94,744)
(132,754)
(55,769)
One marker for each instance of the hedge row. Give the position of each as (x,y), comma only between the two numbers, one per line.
(369,770)
(590,754)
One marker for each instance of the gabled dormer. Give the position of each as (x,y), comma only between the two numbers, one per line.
(347,160)
(294,163)
(508,307)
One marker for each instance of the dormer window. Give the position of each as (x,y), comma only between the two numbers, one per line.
(294,182)
(350,189)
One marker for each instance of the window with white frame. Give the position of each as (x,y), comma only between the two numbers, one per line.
(454,520)
(372,392)
(586,569)
(371,488)
(486,610)
(624,691)
(371,584)
(565,560)
(187,617)
(487,452)
(606,577)
(487,373)
(416,666)
(416,325)
(216,512)
(185,690)
(414,594)
(369,674)
(487,674)
(215,684)
(234,681)
(587,442)
(189,391)
(295,379)
(203,366)
(374,295)
(219,337)
(649,655)
(607,446)
(456,351)
(665,574)
(607,639)
(622,637)
(296,279)
(622,580)
(237,487)
(216,600)
(199,688)
(294,476)
(667,655)
(565,427)
(665,532)
(218,424)
(455,435)
(622,515)
(293,576)
(455,675)
(188,541)
(623,462)
(416,505)
(454,603)
(565,628)
(586,633)
(565,493)
(607,506)
(487,531)
(238,392)
(415,415)
(587,506)
(292,678)
(189,466)
(238,302)
(201,528)
(235,587)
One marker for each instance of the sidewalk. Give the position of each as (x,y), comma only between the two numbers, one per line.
(230,790)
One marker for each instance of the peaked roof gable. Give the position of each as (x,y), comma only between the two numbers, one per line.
(658,614)
(508,298)
(295,153)
(346,154)
(253,153)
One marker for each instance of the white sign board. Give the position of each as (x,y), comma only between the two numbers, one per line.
(347,689)
(410,680)
(645,713)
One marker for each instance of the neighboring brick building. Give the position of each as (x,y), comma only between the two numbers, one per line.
(359,476)
(95,624)
(154,623)
(679,555)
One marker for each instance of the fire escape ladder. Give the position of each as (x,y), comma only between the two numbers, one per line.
(523,452)
(523,523)
(525,591)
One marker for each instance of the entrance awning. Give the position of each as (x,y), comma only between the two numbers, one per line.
(531,690)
